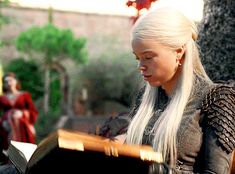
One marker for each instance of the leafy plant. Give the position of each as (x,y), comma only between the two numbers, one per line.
(53,46)
(216,39)
(29,75)
(110,78)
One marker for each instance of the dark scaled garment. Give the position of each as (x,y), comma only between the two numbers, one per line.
(206,137)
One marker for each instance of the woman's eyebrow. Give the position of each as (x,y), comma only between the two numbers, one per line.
(144,52)
(147,51)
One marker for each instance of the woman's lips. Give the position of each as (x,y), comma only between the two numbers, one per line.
(146,77)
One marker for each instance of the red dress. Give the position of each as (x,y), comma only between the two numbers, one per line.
(23,102)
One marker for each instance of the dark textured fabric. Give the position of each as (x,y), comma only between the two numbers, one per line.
(137,102)
(219,106)
(205,137)
(114,126)
(8,169)
(117,125)
(206,134)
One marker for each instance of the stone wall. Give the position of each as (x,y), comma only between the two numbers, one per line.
(103,32)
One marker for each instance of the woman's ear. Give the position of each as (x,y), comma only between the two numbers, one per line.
(180,52)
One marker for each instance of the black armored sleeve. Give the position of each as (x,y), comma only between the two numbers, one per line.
(117,125)
(219,110)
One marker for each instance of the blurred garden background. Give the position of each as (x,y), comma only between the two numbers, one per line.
(77,62)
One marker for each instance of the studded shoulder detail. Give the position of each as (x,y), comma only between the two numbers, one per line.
(218,108)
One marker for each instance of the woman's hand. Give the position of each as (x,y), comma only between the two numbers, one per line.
(120,138)
(17,114)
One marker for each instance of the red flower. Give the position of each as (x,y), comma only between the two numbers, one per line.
(140,4)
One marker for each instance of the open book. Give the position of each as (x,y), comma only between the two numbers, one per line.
(67,151)
(20,153)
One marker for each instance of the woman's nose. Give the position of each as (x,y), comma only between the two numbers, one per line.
(142,68)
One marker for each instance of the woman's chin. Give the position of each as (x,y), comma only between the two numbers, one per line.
(155,84)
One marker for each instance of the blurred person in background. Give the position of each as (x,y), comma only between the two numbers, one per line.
(18,114)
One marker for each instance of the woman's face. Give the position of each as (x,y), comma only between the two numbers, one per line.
(157,64)
(10,82)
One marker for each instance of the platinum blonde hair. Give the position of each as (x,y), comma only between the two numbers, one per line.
(168,27)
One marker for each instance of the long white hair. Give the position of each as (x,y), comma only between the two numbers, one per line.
(168,27)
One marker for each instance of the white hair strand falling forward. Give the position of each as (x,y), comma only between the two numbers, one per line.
(171,29)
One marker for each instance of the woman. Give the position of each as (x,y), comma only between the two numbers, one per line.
(180,112)
(18,113)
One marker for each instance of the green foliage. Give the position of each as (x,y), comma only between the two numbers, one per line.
(53,43)
(110,78)
(78,56)
(3,19)
(55,94)
(216,39)
(29,75)
(45,124)
(4,3)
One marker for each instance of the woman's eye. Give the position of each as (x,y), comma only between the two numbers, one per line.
(148,58)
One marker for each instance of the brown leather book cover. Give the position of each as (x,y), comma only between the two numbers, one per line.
(66,151)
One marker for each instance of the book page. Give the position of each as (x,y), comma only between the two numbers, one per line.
(19,154)
(26,148)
